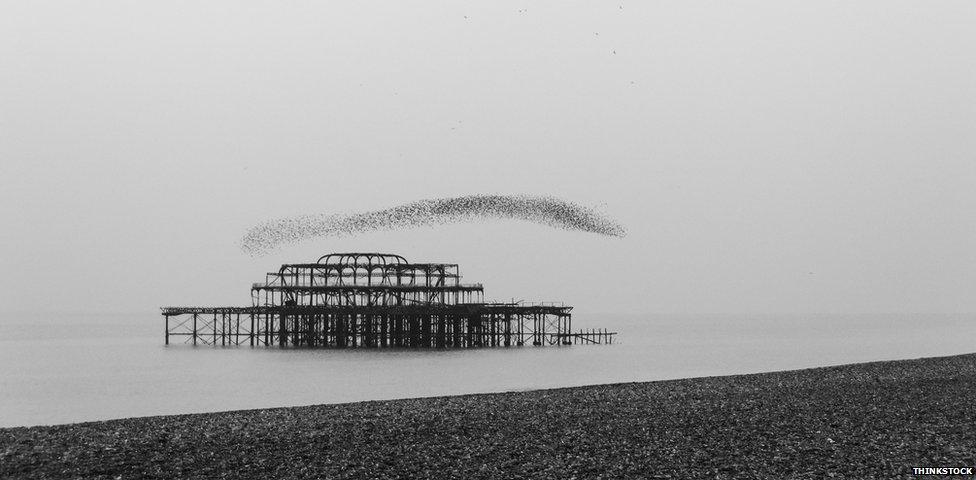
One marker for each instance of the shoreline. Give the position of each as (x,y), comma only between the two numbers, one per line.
(867,420)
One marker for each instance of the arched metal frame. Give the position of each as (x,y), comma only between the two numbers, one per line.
(371,258)
(368,279)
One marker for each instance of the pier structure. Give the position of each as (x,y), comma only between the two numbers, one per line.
(374,300)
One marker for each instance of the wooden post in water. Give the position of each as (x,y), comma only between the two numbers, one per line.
(282,329)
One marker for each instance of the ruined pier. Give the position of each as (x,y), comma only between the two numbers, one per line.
(374,300)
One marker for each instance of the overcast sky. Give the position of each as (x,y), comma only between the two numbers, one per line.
(771,156)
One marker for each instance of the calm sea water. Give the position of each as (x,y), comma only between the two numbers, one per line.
(71,368)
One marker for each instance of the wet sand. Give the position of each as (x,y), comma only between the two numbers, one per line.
(873,420)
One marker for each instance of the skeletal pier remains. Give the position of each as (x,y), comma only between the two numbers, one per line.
(375,300)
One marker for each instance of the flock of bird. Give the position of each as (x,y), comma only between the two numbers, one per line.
(543,210)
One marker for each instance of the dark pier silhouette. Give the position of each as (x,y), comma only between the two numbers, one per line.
(375,300)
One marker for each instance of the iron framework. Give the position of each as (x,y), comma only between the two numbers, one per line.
(374,300)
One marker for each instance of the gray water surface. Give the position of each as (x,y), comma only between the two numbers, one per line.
(72,368)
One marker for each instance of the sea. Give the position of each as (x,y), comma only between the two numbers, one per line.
(69,368)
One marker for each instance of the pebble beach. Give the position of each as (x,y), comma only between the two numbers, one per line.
(862,421)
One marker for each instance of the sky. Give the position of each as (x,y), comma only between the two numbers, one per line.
(764,156)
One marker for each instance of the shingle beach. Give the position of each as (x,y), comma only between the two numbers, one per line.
(873,420)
